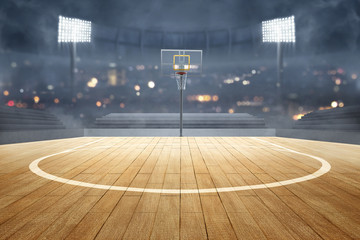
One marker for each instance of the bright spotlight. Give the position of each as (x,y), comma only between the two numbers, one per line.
(334,104)
(151,84)
(279,30)
(73,30)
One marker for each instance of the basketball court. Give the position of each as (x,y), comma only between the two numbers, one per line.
(179,188)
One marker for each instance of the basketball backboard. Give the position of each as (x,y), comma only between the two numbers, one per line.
(180,60)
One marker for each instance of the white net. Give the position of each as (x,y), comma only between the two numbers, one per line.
(181,80)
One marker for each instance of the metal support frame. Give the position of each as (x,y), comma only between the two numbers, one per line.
(280,71)
(72,68)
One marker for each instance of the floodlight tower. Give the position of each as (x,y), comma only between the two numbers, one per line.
(280,30)
(73,30)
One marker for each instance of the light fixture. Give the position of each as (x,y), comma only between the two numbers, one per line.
(279,30)
(73,30)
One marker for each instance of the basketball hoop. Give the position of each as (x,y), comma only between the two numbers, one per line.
(179,63)
(181,80)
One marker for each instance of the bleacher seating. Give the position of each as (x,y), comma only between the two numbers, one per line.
(171,120)
(16,119)
(346,118)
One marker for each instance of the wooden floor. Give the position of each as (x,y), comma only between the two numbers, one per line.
(32,207)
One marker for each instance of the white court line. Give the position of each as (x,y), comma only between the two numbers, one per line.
(325,167)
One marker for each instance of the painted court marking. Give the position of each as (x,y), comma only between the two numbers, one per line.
(325,167)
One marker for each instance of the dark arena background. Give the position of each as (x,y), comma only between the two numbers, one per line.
(248,129)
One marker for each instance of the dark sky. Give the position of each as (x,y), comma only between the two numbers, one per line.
(332,25)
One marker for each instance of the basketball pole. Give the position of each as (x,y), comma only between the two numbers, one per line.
(181,104)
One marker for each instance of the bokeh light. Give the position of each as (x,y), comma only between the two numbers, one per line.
(36,99)
(151,84)
(92,83)
(11,103)
(334,104)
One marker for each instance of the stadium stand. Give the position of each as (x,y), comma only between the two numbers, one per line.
(346,118)
(15,119)
(171,120)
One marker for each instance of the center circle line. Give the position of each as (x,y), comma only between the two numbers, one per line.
(325,167)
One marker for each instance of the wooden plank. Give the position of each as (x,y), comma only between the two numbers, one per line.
(65,224)
(89,226)
(167,220)
(192,226)
(159,171)
(298,228)
(116,224)
(150,163)
(198,161)
(190,203)
(140,226)
(35,226)
(217,222)
(245,226)
(15,223)
(316,221)
(204,181)
(266,220)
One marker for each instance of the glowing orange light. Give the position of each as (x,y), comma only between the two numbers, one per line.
(200,98)
(341,104)
(36,99)
(56,100)
(298,116)
(215,98)
(338,81)
(324,108)
(137,88)
(122,105)
(6,93)
(266,109)
(207,98)
(11,103)
(354,76)
(98,104)
(231,111)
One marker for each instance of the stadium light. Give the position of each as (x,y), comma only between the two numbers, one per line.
(73,30)
(279,30)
